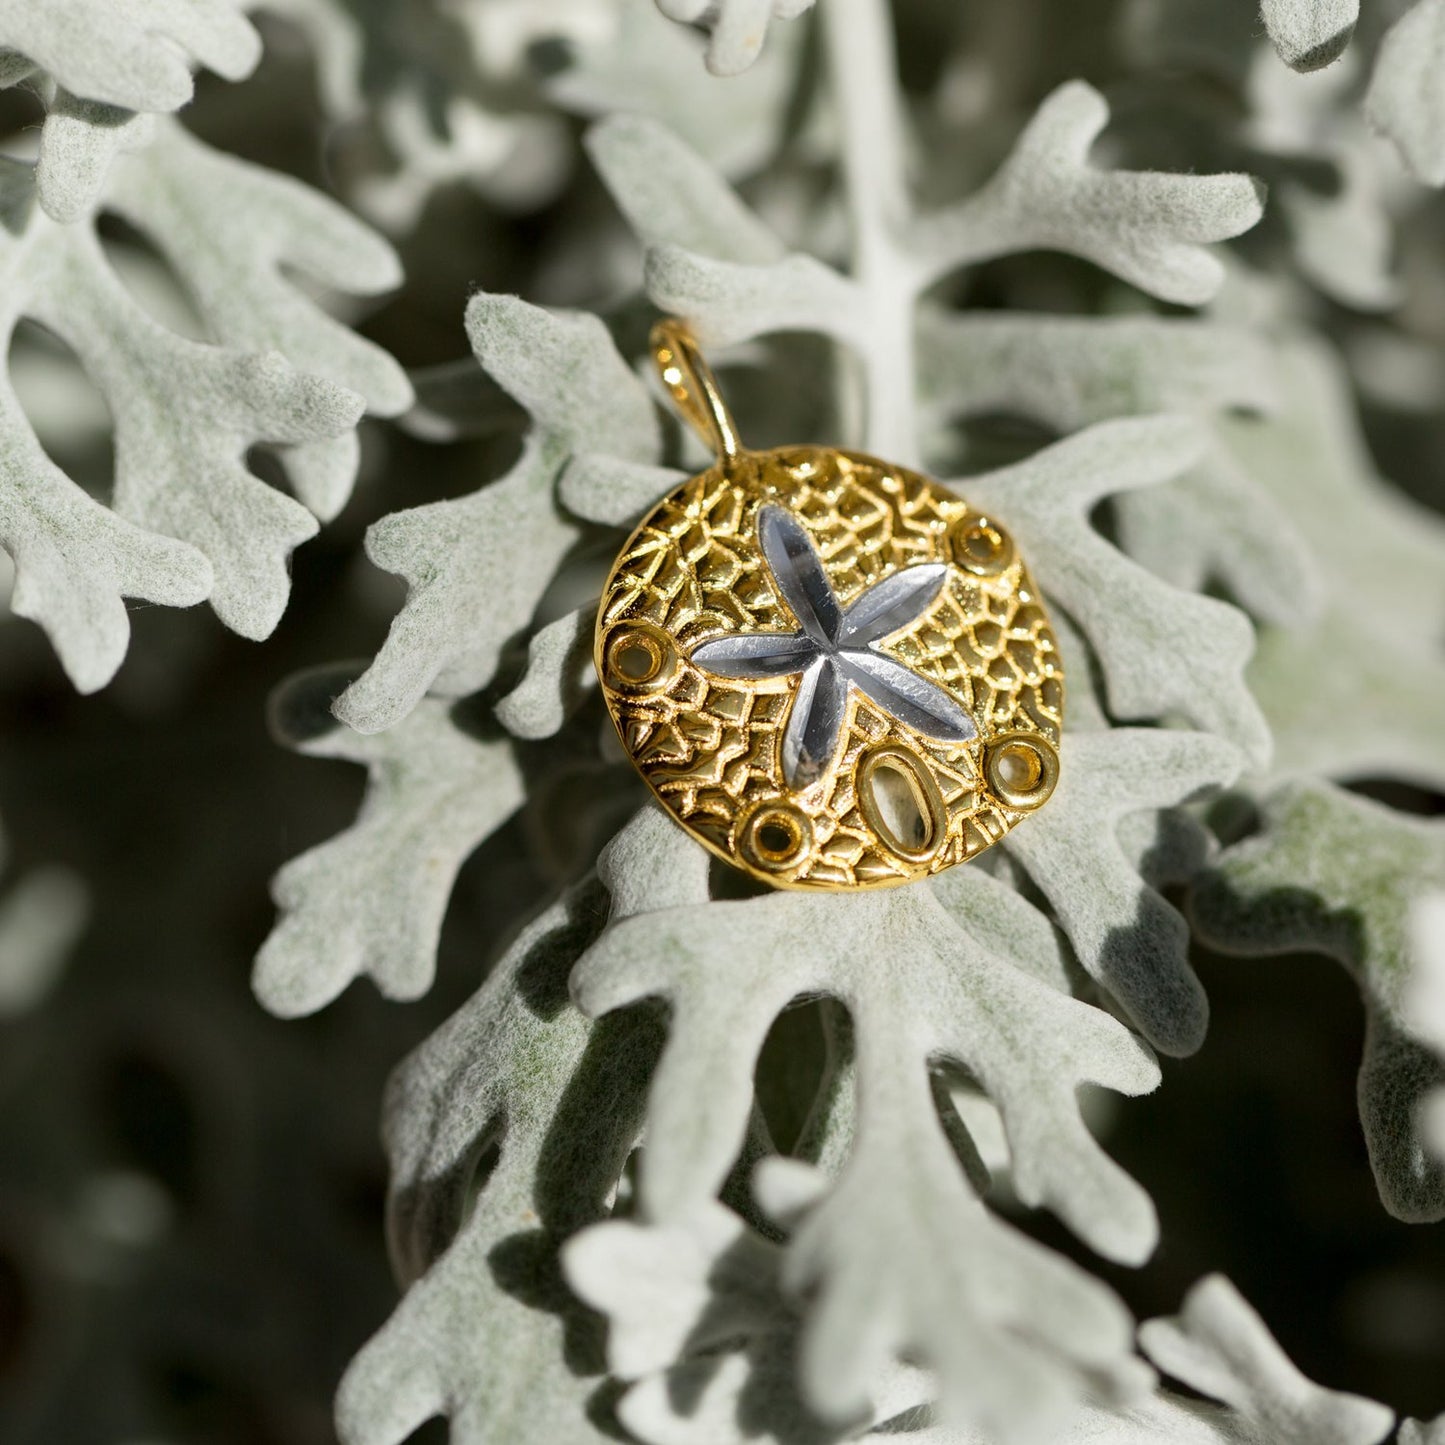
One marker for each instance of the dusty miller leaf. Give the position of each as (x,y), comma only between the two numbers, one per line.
(1220,1347)
(466,592)
(1424,1006)
(109,61)
(1133,942)
(737,28)
(1310,33)
(132,54)
(559,668)
(371,900)
(646,68)
(1163,651)
(189,518)
(1388,680)
(1149,228)
(488,1334)
(1406,98)
(1339,874)
(938,1283)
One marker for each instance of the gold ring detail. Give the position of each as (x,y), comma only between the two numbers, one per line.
(775,836)
(1021,769)
(638,658)
(979,545)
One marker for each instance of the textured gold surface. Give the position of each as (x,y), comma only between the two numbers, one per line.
(710,746)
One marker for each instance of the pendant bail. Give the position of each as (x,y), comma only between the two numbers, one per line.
(693,387)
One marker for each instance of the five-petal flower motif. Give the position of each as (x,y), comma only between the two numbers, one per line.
(836,648)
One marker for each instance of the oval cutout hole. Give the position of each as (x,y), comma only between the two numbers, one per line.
(901,802)
(899,806)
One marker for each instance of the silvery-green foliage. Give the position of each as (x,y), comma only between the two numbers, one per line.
(637,66)
(1406,95)
(866,1280)
(467,594)
(982,980)
(737,28)
(488,1333)
(1313,461)
(189,519)
(1424,1007)
(1339,875)
(107,68)
(704,1337)
(371,900)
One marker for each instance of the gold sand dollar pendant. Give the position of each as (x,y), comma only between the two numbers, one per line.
(831,671)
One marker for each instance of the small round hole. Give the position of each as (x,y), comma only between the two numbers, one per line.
(1022,770)
(638,658)
(636,661)
(777,839)
(1019,768)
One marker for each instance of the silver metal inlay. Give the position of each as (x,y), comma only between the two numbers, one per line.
(836,648)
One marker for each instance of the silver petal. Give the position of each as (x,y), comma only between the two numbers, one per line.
(799,574)
(889,605)
(912,699)
(815,722)
(755,654)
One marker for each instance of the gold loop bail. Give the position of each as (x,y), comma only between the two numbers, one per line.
(693,387)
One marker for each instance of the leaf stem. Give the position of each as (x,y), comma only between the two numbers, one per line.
(863,79)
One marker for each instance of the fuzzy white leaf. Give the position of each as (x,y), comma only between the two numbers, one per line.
(481,1334)
(78,142)
(1310,34)
(671,196)
(738,27)
(1149,228)
(1069,372)
(169,192)
(1339,874)
(190,519)
(371,900)
(726,302)
(559,668)
(1124,933)
(1406,99)
(946,996)
(1388,680)
(1219,1346)
(130,53)
(1163,651)
(466,593)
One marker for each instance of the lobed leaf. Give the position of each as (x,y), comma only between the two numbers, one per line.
(1310,34)
(938,1285)
(1148,228)
(131,54)
(466,594)
(1220,1347)
(371,900)
(1339,874)
(737,28)
(1406,100)
(1163,651)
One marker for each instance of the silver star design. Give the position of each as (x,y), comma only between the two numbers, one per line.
(836,648)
